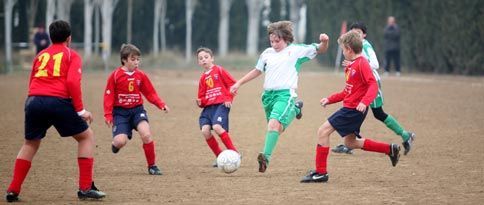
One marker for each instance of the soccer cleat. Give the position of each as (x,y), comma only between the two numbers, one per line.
(341,148)
(154,170)
(214,164)
(92,193)
(299,104)
(315,177)
(262,162)
(11,196)
(394,154)
(407,145)
(114,149)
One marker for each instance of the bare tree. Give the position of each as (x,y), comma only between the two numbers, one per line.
(107,8)
(189,6)
(159,26)
(254,7)
(298,18)
(50,12)
(64,9)
(33,12)
(8,7)
(223,29)
(283,11)
(89,6)
(129,31)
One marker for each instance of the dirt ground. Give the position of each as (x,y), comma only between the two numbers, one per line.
(445,167)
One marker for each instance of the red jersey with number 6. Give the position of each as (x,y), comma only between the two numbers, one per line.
(124,90)
(56,71)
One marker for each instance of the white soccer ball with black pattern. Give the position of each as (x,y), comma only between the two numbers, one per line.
(228,161)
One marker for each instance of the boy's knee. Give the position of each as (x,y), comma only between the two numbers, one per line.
(218,129)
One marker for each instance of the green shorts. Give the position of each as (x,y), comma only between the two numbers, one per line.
(378,102)
(279,105)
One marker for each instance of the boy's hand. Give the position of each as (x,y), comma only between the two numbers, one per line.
(234,88)
(87,116)
(324,38)
(228,104)
(361,107)
(109,123)
(166,109)
(324,102)
(345,63)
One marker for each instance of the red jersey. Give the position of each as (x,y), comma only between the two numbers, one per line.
(214,86)
(361,85)
(124,90)
(56,71)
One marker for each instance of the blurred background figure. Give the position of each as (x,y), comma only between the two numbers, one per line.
(41,39)
(392,45)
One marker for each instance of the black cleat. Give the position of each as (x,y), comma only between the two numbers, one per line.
(394,154)
(154,170)
(214,164)
(262,162)
(407,145)
(342,149)
(315,177)
(11,196)
(114,149)
(299,104)
(92,193)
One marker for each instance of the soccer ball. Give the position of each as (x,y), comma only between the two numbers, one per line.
(228,161)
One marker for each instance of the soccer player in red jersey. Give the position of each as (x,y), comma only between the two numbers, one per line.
(360,90)
(55,98)
(215,98)
(123,104)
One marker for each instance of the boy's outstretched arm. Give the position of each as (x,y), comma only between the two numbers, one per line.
(247,77)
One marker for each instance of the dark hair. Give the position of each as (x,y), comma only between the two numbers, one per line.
(59,31)
(205,49)
(127,50)
(358,25)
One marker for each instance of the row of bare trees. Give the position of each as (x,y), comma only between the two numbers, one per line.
(98,16)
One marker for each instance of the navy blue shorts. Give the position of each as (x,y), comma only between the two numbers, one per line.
(215,114)
(41,112)
(127,119)
(347,121)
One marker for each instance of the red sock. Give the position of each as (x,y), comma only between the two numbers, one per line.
(227,141)
(150,153)
(321,159)
(375,146)
(20,171)
(213,144)
(85,173)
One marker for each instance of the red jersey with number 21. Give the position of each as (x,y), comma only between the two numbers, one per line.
(56,71)
(124,90)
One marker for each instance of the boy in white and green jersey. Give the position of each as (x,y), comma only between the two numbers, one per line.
(281,64)
(377,104)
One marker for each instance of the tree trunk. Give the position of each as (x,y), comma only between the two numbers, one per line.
(295,16)
(64,9)
(189,6)
(129,32)
(8,6)
(223,29)
(88,9)
(107,16)
(156,26)
(254,7)
(162,26)
(97,28)
(50,13)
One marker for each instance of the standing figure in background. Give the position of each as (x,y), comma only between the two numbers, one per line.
(392,45)
(41,39)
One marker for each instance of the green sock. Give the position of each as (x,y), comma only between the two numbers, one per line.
(393,124)
(270,143)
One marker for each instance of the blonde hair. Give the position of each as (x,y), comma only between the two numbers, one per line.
(127,50)
(282,29)
(204,49)
(352,40)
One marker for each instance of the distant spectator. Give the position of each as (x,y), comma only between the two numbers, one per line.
(392,45)
(41,39)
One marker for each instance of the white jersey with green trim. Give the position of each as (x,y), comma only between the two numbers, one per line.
(370,55)
(282,68)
